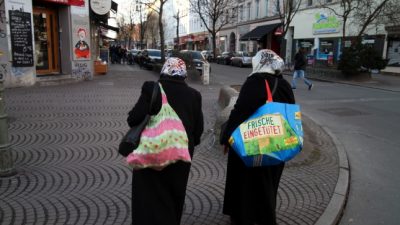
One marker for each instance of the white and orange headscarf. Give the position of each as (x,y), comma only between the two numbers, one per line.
(174,67)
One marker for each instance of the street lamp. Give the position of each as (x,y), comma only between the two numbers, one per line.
(6,160)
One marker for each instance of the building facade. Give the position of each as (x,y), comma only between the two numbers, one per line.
(319,31)
(255,24)
(47,38)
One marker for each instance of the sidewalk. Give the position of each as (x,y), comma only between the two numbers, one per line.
(65,138)
(381,81)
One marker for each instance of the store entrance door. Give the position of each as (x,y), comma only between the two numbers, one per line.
(46,41)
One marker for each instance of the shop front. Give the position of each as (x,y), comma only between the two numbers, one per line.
(45,38)
(263,36)
(200,41)
(393,45)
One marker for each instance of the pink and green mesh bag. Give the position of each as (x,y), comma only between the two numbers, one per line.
(163,141)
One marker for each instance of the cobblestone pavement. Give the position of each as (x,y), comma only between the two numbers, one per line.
(65,139)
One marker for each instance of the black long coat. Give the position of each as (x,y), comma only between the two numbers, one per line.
(158,196)
(250,193)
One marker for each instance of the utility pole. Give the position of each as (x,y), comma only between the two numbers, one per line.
(6,160)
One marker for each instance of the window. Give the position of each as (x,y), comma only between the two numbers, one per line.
(241,12)
(309,3)
(278,7)
(249,10)
(257,7)
(266,7)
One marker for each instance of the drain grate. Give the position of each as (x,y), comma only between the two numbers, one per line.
(343,112)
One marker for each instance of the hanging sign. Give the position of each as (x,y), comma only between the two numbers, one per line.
(68,2)
(100,7)
(21,38)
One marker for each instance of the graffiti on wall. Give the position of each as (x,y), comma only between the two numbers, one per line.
(81,71)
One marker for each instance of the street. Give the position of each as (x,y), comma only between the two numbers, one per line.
(365,119)
(64,141)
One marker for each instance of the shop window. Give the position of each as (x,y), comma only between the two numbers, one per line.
(326,48)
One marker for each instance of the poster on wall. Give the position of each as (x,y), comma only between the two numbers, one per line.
(81,32)
(81,48)
(21,38)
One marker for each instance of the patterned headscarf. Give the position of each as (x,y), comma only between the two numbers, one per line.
(267,61)
(174,67)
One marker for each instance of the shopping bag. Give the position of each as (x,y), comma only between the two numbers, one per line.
(131,139)
(270,136)
(163,141)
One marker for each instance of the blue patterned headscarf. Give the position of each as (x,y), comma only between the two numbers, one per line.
(267,61)
(174,67)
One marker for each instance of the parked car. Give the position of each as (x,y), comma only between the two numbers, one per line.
(137,57)
(225,58)
(150,57)
(209,55)
(195,58)
(131,54)
(241,59)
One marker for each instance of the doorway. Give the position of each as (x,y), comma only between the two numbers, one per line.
(46,41)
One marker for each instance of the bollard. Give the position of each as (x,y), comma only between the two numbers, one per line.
(206,73)
(6,160)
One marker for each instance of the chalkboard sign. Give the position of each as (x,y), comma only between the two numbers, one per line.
(104,54)
(21,38)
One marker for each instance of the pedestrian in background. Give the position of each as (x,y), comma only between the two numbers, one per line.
(300,63)
(158,196)
(250,192)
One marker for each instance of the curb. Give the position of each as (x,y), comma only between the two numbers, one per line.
(334,210)
(335,207)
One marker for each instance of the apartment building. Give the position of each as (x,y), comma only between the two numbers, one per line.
(256,24)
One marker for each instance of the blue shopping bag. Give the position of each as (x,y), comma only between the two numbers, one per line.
(272,135)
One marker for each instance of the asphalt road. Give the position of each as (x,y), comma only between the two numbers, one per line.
(366,121)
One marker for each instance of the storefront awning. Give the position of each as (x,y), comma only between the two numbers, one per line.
(259,32)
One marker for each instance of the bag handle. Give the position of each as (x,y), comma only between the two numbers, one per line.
(153,96)
(269,94)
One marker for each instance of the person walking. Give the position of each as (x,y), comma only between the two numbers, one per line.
(250,192)
(158,196)
(300,63)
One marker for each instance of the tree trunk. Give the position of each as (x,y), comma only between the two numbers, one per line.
(214,44)
(160,24)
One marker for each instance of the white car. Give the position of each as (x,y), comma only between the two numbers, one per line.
(241,59)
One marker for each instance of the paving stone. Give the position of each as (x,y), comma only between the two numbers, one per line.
(65,139)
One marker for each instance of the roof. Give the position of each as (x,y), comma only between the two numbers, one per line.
(259,32)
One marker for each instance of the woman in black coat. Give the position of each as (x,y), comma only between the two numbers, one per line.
(158,196)
(250,192)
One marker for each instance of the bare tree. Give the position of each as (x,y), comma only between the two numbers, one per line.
(178,16)
(158,7)
(364,13)
(214,14)
(152,28)
(287,9)
(142,26)
(122,35)
(374,11)
(345,11)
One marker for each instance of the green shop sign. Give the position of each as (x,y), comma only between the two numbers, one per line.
(325,24)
